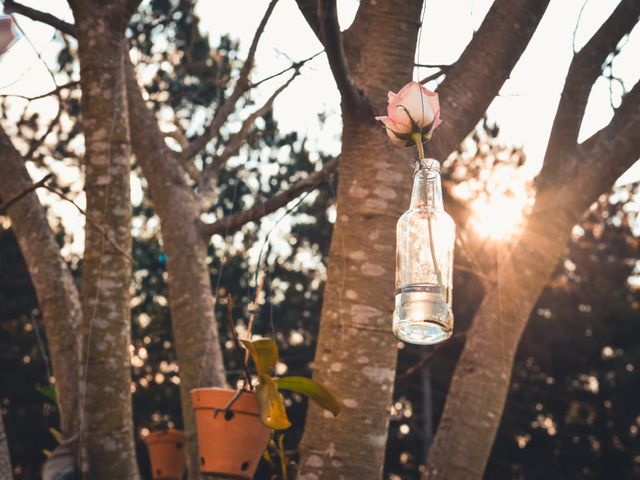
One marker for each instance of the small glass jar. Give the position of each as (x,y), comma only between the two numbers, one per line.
(424,263)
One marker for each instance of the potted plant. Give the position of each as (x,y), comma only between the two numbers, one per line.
(234,426)
(167,454)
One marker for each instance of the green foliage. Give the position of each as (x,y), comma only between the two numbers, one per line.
(264,353)
(312,389)
(48,391)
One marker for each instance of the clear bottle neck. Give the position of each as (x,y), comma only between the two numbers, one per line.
(427,188)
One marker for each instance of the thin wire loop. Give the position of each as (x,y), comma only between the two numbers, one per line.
(427,164)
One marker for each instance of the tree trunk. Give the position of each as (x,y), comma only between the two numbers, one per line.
(107,446)
(191,300)
(481,379)
(6,472)
(480,383)
(356,352)
(56,291)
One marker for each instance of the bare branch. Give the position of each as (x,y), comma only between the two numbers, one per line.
(207,179)
(309,9)
(236,141)
(90,222)
(617,144)
(65,27)
(293,66)
(477,76)
(585,68)
(242,85)
(25,192)
(234,222)
(42,183)
(332,40)
(432,76)
(55,91)
(442,69)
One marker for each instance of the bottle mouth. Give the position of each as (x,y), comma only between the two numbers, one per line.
(428,164)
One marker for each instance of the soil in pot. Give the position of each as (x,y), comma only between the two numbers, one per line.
(231,442)
(167,454)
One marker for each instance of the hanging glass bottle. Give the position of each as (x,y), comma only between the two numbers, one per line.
(424,262)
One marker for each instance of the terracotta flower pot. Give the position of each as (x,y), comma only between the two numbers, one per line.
(167,454)
(230,442)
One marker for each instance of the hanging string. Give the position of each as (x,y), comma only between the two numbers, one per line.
(417,60)
(41,346)
(216,290)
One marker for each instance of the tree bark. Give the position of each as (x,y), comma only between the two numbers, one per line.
(57,294)
(356,354)
(106,434)
(6,472)
(191,301)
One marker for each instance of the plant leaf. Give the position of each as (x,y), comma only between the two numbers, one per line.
(57,434)
(48,391)
(272,411)
(312,389)
(264,353)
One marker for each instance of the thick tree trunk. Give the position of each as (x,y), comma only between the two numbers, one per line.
(472,412)
(57,294)
(356,352)
(191,299)
(481,379)
(107,446)
(6,472)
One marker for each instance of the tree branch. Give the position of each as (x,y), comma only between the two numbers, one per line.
(55,91)
(585,68)
(616,145)
(332,40)
(65,27)
(235,221)
(309,10)
(229,105)
(208,177)
(293,66)
(477,76)
(25,192)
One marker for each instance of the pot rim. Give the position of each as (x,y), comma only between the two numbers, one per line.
(245,403)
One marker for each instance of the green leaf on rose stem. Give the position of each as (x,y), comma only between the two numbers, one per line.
(271,405)
(48,391)
(264,353)
(312,389)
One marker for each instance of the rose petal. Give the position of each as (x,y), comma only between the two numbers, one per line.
(390,127)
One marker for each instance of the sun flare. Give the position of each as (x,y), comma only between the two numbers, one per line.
(498,216)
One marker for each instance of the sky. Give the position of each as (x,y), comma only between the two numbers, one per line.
(524,110)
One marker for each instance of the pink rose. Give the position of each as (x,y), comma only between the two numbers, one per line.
(7,35)
(414,109)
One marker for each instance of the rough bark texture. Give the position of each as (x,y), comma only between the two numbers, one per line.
(190,295)
(356,351)
(356,354)
(6,472)
(58,300)
(106,442)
